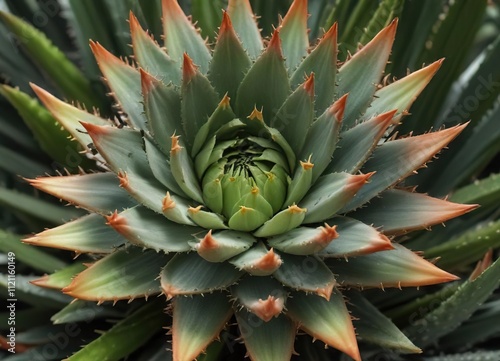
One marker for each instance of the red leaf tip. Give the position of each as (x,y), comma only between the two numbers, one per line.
(268,308)
(338,107)
(275,43)
(189,69)
(309,85)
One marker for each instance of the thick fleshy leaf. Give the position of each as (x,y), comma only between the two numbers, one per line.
(83,311)
(230,60)
(220,117)
(357,144)
(223,245)
(206,219)
(374,327)
(60,279)
(183,171)
(296,115)
(188,274)
(263,296)
(463,303)
(266,341)
(86,234)
(69,116)
(258,89)
(360,74)
(97,192)
(51,60)
(246,27)
(306,274)
(355,238)
(148,229)
(121,148)
(397,211)
(174,208)
(197,321)
(125,83)
(323,63)
(300,184)
(304,241)
(322,137)
(258,261)
(126,274)
(330,193)
(126,336)
(282,222)
(151,57)
(181,37)
(398,267)
(395,160)
(401,94)
(162,105)
(294,34)
(199,99)
(326,320)
(160,166)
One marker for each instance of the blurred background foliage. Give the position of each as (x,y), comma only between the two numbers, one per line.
(45,42)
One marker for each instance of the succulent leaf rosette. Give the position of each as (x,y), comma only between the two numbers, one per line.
(255,178)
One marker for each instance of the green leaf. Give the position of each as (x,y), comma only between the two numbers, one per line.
(293,31)
(125,83)
(398,211)
(282,222)
(257,261)
(60,279)
(258,89)
(148,229)
(151,57)
(230,60)
(329,194)
(395,160)
(69,116)
(484,192)
(467,299)
(398,267)
(197,321)
(98,192)
(64,74)
(304,241)
(306,274)
(327,320)
(387,10)
(47,132)
(88,234)
(357,144)
(468,356)
(199,99)
(359,75)
(207,15)
(262,296)
(373,326)
(467,247)
(181,36)
(28,255)
(296,115)
(36,207)
(125,274)
(266,341)
(83,311)
(188,274)
(126,336)
(246,27)
(354,238)
(223,245)
(322,61)
(16,163)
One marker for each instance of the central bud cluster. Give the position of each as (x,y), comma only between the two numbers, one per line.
(244,179)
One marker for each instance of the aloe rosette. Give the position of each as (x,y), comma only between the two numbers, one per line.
(250,178)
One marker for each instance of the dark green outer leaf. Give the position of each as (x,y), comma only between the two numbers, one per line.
(207,15)
(468,356)
(455,309)
(126,336)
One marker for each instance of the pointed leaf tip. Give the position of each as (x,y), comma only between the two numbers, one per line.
(275,43)
(268,308)
(95,130)
(309,85)
(189,69)
(357,181)
(226,25)
(270,261)
(338,107)
(147,81)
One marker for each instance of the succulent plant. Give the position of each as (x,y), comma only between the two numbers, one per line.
(255,178)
